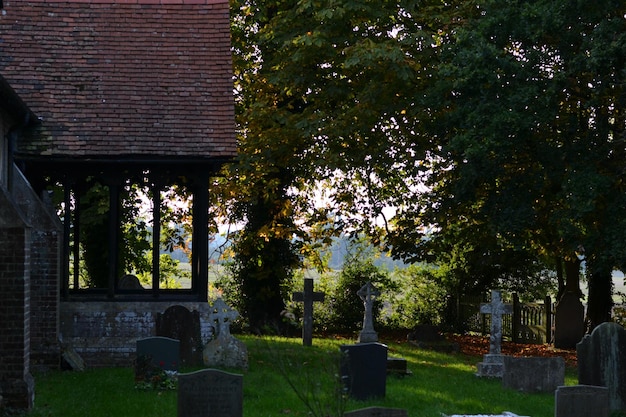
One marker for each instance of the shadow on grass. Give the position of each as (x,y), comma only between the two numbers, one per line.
(440,383)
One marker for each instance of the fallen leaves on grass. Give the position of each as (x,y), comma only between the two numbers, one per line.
(479,345)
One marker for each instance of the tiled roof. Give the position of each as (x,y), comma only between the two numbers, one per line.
(122,78)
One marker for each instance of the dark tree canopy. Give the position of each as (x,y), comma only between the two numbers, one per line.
(495,128)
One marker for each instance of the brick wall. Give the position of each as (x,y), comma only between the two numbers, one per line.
(16,383)
(44,269)
(104,333)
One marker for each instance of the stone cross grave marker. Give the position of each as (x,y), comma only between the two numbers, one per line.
(225,350)
(210,393)
(223,315)
(308,296)
(496,308)
(368,293)
(493,363)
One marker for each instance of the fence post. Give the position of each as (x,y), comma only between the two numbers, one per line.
(547,305)
(515,320)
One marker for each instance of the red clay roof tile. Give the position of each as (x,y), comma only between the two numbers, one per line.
(122,77)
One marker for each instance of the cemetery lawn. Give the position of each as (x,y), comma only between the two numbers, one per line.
(440,383)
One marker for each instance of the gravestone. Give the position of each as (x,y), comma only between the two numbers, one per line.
(377,412)
(308,296)
(533,374)
(363,368)
(225,350)
(163,352)
(569,321)
(156,355)
(398,367)
(129,282)
(581,401)
(210,393)
(177,322)
(367,294)
(602,362)
(426,336)
(493,363)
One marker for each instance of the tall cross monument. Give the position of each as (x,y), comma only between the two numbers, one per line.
(493,362)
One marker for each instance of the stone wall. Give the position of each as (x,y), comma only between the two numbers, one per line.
(104,333)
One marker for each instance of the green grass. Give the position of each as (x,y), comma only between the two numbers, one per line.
(440,383)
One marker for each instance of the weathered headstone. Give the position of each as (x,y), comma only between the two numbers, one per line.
(492,365)
(581,401)
(177,322)
(533,374)
(225,350)
(210,393)
(368,293)
(377,412)
(363,368)
(308,296)
(602,362)
(163,352)
(569,321)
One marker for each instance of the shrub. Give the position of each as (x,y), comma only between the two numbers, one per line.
(420,299)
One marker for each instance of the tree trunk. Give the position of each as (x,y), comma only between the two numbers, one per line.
(600,300)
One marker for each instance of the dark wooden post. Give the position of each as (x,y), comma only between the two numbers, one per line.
(200,249)
(67,222)
(114,234)
(308,296)
(156,237)
(516,319)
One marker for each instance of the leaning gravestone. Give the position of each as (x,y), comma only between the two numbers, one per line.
(225,350)
(177,322)
(493,363)
(602,362)
(581,401)
(533,374)
(210,393)
(569,321)
(308,296)
(367,294)
(363,368)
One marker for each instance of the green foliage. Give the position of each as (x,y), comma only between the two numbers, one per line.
(526,153)
(93,206)
(260,277)
(421,298)
(343,309)
(169,271)
(495,128)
